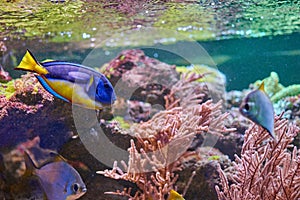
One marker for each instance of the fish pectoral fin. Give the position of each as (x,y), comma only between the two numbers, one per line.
(49,89)
(90,83)
(66,188)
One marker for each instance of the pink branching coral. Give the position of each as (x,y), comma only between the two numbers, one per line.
(162,144)
(267,169)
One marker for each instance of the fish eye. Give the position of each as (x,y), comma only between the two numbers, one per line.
(247,107)
(106,85)
(75,187)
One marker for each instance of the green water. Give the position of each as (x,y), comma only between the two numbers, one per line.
(245,39)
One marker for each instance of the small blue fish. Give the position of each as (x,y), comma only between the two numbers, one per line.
(59,180)
(74,83)
(257,107)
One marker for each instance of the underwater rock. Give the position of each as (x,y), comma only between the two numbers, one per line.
(31,112)
(139,111)
(202,185)
(234,99)
(213,79)
(143,78)
(230,144)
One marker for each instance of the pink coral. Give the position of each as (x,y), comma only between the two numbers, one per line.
(162,144)
(267,169)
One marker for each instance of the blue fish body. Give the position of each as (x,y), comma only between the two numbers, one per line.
(74,83)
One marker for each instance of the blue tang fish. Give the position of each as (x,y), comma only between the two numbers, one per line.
(59,180)
(74,83)
(258,107)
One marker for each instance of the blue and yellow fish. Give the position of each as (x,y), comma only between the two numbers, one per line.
(258,107)
(74,83)
(59,180)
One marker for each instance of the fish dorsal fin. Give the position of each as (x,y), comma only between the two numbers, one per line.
(262,87)
(58,157)
(29,63)
(90,83)
(30,166)
(47,60)
(54,157)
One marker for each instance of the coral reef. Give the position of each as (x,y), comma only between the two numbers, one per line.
(162,144)
(159,128)
(266,169)
(167,141)
(149,81)
(173,126)
(7,89)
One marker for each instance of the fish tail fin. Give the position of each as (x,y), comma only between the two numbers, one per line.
(29,63)
(30,166)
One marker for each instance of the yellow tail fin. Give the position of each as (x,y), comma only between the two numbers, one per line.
(29,63)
